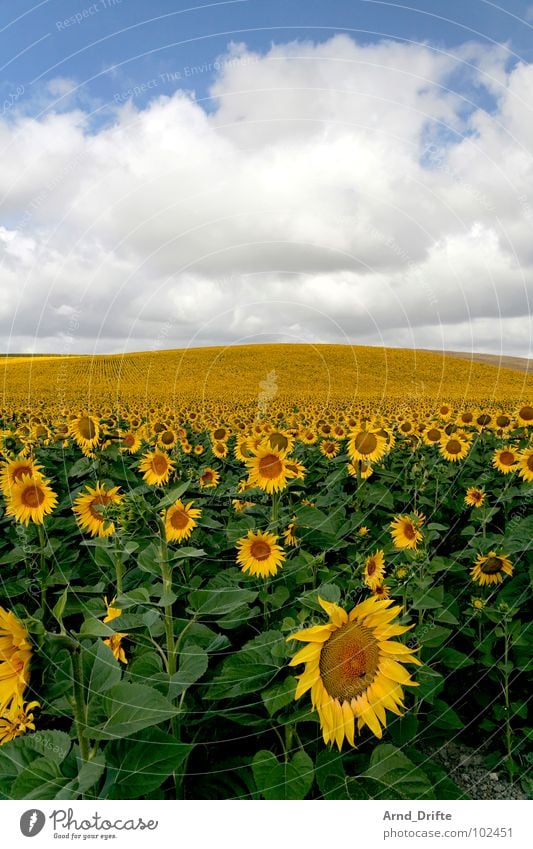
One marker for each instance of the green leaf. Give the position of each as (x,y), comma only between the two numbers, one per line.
(454,659)
(173,495)
(220,601)
(193,663)
(102,670)
(91,772)
(279,696)
(291,780)
(444,718)
(42,779)
(130,708)
(141,765)
(396,776)
(95,628)
(429,599)
(251,668)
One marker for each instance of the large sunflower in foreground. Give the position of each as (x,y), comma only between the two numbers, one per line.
(89,508)
(156,467)
(31,498)
(180,521)
(260,554)
(15,656)
(353,669)
(490,569)
(268,469)
(405,530)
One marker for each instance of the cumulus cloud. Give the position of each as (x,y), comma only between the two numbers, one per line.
(372,194)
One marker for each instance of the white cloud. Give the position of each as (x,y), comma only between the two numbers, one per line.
(336,192)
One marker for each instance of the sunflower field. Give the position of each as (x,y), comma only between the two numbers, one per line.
(272,572)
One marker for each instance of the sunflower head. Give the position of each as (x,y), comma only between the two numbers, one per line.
(475,496)
(30,499)
(405,530)
(374,570)
(491,568)
(259,554)
(180,519)
(353,669)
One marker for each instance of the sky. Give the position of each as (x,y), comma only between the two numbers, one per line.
(352,171)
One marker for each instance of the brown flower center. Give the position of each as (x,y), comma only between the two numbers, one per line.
(98,500)
(129,440)
(453,446)
(260,550)
(526,413)
(270,466)
(503,421)
(87,428)
(32,496)
(219,433)
(348,661)
(167,438)
(483,419)
(365,443)
(371,567)
(409,531)
(278,440)
(529,463)
(507,458)
(19,473)
(159,464)
(179,520)
(434,434)
(492,565)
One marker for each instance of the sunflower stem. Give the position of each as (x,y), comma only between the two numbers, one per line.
(119,571)
(78,704)
(166,575)
(508,730)
(42,568)
(358,484)
(275,511)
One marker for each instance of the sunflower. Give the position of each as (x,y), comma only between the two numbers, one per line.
(15,656)
(524,414)
(506,459)
(220,450)
(374,571)
(167,439)
(85,430)
(268,470)
(432,435)
(198,449)
(454,448)
(289,535)
(14,470)
(130,441)
(180,521)
(16,718)
(488,568)
(242,450)
(329,448)
(209,479)
(259,554)
(157,467)
(366,445)
(31,498)
(405,530)
(525,465)
(296,468)
(363,530)
(353,669)
(382,591)
(280,440)
(474,496)
(114,642)
(89,509)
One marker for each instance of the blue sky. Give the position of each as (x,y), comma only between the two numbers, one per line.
(349,171)
(118,44)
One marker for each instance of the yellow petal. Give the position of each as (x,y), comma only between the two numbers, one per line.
(393,670)
(349,728)
(371,605)
(305,682)
(338,720)
(337,615)
(316,634)
(309,652)
(399,650)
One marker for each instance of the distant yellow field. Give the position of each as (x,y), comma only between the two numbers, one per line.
(245,374)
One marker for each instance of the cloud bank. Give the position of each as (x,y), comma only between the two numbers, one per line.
(336,192)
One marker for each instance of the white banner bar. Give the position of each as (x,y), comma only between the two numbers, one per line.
(245,824)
